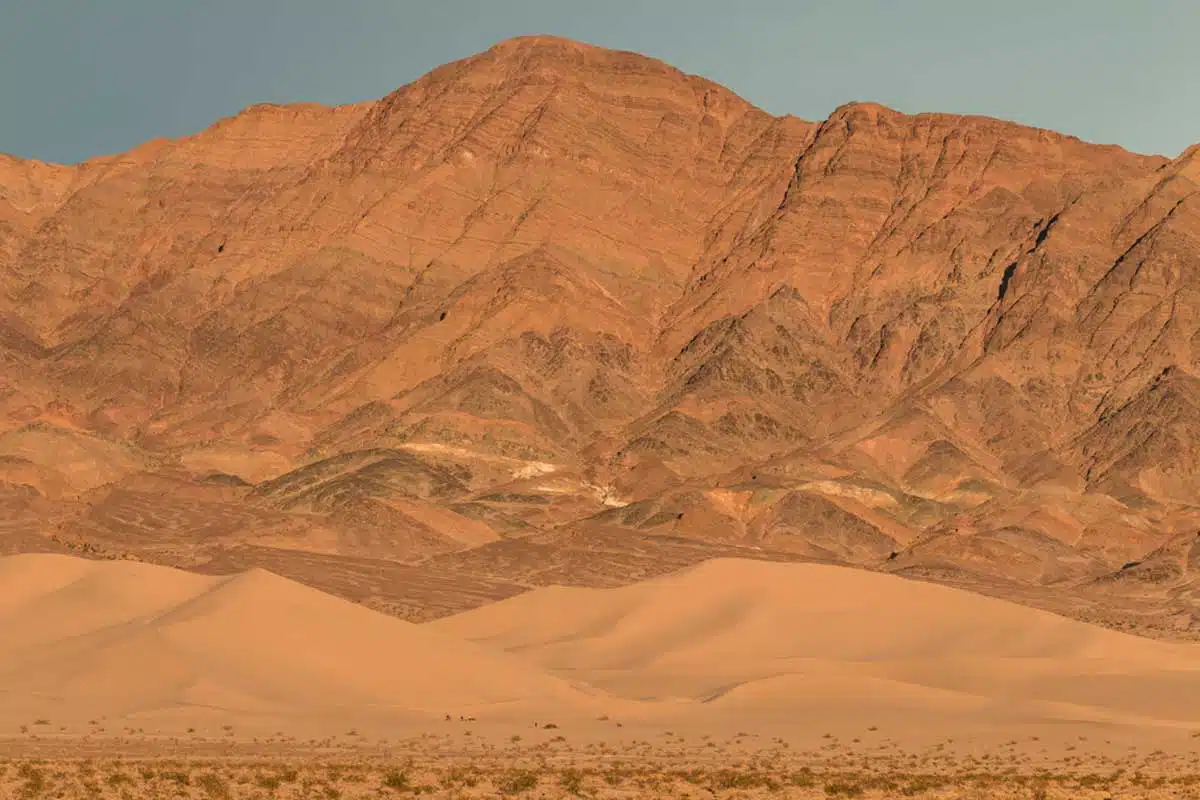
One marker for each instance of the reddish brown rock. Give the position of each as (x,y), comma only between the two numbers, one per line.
(561,292)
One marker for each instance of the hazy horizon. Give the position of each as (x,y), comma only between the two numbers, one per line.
(78,82)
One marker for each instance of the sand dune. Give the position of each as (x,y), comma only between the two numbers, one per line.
(755,645)
(778,639)
(130,640)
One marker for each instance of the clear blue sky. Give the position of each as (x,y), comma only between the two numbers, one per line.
(80,78)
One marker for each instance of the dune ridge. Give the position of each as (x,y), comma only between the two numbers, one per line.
(779,639)
(752,644)
(130,639)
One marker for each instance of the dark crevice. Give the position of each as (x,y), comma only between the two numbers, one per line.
(1044,232)
(1005,278)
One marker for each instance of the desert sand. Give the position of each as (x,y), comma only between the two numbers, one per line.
(793,646)
(730,679)
(730,645)
(163,649)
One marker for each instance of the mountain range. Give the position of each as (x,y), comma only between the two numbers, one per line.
(555,314)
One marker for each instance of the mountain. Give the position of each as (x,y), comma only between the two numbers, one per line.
(559,314)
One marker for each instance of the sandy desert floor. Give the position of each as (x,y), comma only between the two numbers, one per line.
(732,678)
(554,766)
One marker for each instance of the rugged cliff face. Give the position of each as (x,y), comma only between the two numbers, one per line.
(560,314)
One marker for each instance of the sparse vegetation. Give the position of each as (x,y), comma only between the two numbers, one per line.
(607,771)
(213,786)
(571,781)
(516,782)
(33,780)
(396,780)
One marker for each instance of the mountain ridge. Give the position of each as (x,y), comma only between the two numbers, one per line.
(552,300)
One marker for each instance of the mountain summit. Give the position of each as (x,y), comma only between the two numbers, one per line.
(558,314)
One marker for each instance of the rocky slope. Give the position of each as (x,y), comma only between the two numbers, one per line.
(560,314)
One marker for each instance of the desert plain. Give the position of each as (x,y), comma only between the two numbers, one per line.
(734,678)
(562,425)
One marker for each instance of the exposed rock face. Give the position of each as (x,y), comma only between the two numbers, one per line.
(559,294)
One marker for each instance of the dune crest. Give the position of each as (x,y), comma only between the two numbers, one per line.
(127,639)
(729,642)
(784,638)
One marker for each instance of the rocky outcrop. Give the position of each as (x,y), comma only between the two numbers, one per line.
(550,280)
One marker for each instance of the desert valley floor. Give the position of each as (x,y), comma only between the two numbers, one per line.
(733,677)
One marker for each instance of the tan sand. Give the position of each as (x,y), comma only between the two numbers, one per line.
(789,650)
(801,645)
(159,647)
